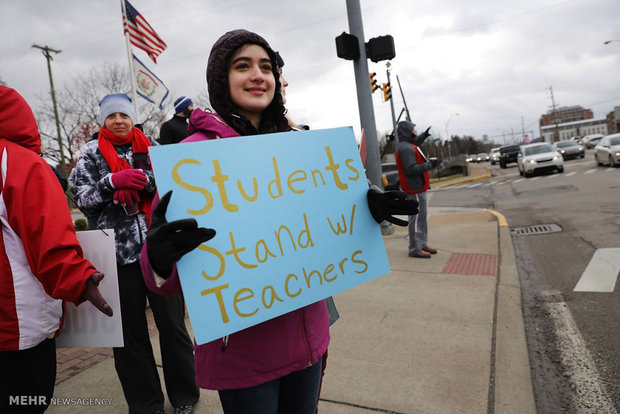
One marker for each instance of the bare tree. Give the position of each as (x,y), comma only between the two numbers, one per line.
(78,111)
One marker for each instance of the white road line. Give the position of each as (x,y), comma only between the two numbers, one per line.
(535,178)
(601,273)
(590,171)
(518,181)
(589,396)
(570,173)
(610,169)
(474,185)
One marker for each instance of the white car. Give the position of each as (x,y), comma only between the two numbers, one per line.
(607,151)
(494,155)
(537,157)
(591,140)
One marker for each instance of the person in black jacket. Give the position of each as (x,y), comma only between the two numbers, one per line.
(174,130)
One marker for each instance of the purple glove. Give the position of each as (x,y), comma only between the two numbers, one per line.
(92,294)
(126,197)
(133,179)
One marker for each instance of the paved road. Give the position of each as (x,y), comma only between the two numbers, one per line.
(573,338)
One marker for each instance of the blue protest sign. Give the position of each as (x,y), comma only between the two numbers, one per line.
(292,221)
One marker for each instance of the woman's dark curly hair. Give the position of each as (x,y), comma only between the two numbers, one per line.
(273,117)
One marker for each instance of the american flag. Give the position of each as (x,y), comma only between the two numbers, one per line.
(141,34)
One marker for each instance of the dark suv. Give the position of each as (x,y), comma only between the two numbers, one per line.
(508,154)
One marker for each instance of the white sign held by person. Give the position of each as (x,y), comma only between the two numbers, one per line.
(292,221)
(85,326)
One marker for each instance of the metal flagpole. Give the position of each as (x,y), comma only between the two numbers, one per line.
(132,75)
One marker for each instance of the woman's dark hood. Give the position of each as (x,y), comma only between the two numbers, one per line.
(273,119)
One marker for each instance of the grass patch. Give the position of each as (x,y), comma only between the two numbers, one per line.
(446,178)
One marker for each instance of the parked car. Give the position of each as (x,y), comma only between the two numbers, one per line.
(494,155)
(390,176)
(539,157)
(508,154)
(569,149)
(608,151)
(482,157)
(591,140)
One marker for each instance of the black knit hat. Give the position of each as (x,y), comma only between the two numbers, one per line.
(272,119)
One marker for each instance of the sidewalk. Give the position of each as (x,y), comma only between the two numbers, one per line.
(439,335)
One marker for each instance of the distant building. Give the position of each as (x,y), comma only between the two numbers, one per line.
(613,121)
(565,114)
(567,130)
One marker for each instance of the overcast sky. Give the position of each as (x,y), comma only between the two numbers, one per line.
(490,61)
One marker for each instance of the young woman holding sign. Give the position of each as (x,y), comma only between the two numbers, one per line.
(275,366)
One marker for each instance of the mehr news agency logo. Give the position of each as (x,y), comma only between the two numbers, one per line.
(20,400)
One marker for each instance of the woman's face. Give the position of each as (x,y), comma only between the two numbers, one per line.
(251,81)
(118,123)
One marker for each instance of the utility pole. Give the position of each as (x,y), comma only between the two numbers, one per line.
(522,129)
(46,52)
(391,105)
(364,95)
(556,133)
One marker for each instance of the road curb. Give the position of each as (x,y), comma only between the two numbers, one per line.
(463,181)
(513,389)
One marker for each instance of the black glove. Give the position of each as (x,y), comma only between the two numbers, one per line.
(383,205)
(167,242)
(425,134)
(433,161)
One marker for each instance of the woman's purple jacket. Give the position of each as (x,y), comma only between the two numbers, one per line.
(263,352)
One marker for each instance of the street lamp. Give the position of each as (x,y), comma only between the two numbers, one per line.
(606,42)
(448,137)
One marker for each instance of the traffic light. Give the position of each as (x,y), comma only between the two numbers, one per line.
(373,82)
(387,92)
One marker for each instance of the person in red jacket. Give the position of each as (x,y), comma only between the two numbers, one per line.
(41,262)
(413,167)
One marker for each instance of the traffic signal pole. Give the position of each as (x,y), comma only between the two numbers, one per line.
(364,95)
(392,107)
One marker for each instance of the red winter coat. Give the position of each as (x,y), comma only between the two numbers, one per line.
(41,262)
(263,352)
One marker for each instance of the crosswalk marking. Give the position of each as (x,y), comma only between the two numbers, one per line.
(601,273)
(590,171)
(570,174)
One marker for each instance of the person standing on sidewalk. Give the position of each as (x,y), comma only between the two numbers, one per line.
(413,167)
(174,130)
(41,263)
(275,366)
(113,185)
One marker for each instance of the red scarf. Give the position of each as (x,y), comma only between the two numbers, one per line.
(139,143)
